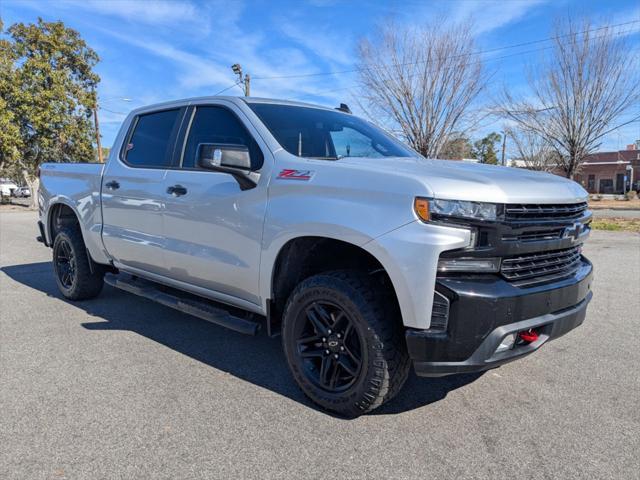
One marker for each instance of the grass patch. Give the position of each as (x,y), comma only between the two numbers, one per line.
(617,224)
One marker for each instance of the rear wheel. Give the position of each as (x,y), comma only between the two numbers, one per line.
(343,342)
(73,272)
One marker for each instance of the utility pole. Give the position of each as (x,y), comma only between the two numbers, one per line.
(97,125)
(244,79)
(247,85)
(504,144)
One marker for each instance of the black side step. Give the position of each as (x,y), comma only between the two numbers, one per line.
(184,302)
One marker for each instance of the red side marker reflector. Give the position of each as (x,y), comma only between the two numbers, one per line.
(528,335)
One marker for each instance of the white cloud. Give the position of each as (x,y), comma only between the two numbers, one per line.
(492,15)
(195,71)
(149,12)
(331,47)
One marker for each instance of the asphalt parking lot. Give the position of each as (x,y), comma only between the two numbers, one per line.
(119,387)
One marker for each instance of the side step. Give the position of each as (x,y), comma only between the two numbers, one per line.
(184,302)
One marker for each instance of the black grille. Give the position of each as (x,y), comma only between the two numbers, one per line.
(534,236)
(532,211)
(540,267)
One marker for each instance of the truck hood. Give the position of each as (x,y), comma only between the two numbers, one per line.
(459,180)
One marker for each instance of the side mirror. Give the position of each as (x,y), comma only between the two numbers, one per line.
(216,155)
(227,158)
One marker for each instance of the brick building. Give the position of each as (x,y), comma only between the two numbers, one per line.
(611,172)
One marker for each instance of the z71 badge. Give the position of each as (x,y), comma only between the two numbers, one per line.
(290,174)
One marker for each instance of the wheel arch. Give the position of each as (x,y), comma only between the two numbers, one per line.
(304,256)
(61,214)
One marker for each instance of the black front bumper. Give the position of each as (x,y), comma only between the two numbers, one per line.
(483,310)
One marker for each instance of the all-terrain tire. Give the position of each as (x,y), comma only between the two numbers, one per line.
(385,362)
(78,282)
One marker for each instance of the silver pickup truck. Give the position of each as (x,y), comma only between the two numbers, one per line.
(364,256)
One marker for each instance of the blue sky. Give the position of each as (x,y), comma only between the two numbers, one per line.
(158,50)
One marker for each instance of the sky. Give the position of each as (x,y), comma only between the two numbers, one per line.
(157,50)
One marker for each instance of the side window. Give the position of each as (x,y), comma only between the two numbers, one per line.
(149,144)
(218,125)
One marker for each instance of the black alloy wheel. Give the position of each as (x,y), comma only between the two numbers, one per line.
(77,276)
(344,343)
(65,264)
(330,349)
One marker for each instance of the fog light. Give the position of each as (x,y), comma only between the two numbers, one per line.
(507,343)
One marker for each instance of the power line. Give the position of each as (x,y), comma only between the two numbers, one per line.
(478,52)
(524,52)
(111,111)
(225,89)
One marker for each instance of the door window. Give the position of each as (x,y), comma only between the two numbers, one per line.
(218,125)
(149,144)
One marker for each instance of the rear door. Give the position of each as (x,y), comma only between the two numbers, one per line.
(133,191)
(213,228)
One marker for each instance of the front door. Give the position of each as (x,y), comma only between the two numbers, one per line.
(213,229)
(620,183)
(133,192)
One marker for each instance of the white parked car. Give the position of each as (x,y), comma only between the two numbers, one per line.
(7,188)
(22,192)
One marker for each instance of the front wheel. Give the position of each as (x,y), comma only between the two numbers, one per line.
(343,342)
(74,275)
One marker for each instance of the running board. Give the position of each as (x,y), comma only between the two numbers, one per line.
(189,304)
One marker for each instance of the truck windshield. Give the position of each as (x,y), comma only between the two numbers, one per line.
(317,133)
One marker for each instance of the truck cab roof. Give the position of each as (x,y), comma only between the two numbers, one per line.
(229,98)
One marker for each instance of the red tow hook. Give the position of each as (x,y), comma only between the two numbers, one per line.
(528,336)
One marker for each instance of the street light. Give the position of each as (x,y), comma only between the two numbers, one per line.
(246,79)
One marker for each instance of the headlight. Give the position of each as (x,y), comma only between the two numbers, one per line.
(464,209)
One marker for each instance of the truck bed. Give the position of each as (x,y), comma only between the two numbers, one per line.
(78,186)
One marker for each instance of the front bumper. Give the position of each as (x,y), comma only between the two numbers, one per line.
(483,310)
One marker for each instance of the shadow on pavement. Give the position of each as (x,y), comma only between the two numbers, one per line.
(258,360)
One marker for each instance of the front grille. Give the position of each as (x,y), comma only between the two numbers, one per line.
(540,267)
(534,236)
(532,211)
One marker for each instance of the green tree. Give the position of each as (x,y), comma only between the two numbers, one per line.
(485,148)
(457,147)
(10,141)
(48,90)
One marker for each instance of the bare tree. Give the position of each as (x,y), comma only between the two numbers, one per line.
(533,150)
(421,81)
(578,93)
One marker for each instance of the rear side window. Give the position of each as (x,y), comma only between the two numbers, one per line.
(151,138)
(219,125)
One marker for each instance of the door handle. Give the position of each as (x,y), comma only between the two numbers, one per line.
(177,190)
(112,185)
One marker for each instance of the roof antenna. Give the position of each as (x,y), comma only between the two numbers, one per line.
(344,108)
